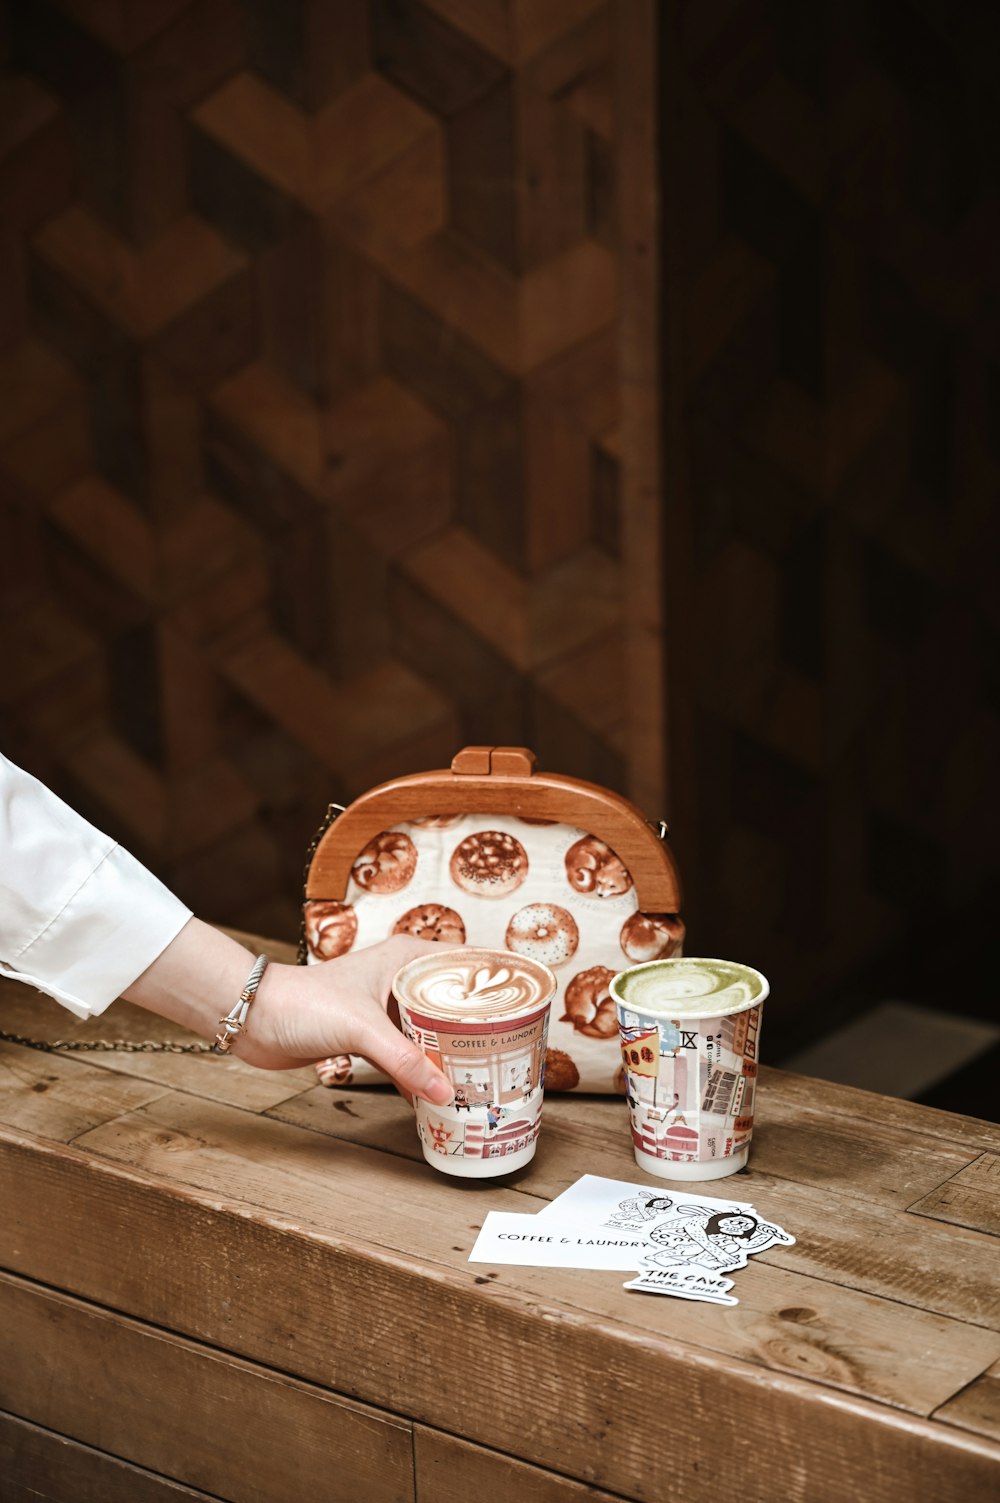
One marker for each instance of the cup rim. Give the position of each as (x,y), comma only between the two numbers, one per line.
(708,1011)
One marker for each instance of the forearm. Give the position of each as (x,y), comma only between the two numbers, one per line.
(299,1014)
(80,918)
(195,980)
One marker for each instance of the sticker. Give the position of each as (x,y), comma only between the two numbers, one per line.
(688,1250)
(678,1244)
(618,1202)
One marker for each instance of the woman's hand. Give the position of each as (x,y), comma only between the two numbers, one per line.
(300,1013)
(305,1013)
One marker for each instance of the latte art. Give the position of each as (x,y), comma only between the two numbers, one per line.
(474,985)
(690,987)
(488,991)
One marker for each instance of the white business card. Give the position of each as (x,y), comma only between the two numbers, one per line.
(508,1237)
(618,1203)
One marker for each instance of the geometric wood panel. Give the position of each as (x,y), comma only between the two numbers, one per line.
(833,222)
(334,419)
(310,440)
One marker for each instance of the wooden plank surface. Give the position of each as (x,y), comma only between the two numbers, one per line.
(213,1077)
(309,1180)
(835,1100)
(846,1230)
(837,1192)
(122,1079)
(305,1200)
(223,1078)
(450,1470)
(798,1320)
(970,1198)
(374,1117)
(49,1094)
(891,1167)
(882,1164)
(584,1365)
(232,1429)
(39,1466)
(977,1407)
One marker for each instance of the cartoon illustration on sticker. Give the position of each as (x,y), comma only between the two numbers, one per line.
(635,1213)
(690,1249)
(721,1241)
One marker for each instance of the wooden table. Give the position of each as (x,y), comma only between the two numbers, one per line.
(222,1282)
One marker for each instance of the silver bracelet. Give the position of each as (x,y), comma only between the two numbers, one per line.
(235,1021)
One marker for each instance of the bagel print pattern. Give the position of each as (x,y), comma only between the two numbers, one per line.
(544,931)
(550,892)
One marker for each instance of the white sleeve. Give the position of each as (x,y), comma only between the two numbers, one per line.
(79,917)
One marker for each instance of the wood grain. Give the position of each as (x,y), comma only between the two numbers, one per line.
(239,204)
(536,794)
(977,1407)
(970,1198)
(288,296)
(450,1470)
(141,291)
(835,1101)
(206,1075)
(373,1118)
(343,1258)
(89,1087)
(842,1158)
(65,1365)
(304,1177)
(51,1094)
(887,1166)
(801,1323)
(37,1464)
(840,1444)
(847,1235)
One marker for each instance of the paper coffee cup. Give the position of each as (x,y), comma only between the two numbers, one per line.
(482,1016)
(690,1032)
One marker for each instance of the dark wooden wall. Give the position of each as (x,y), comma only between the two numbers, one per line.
(331,369)
(833,292)
(311,440)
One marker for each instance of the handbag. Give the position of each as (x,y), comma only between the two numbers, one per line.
(492,852)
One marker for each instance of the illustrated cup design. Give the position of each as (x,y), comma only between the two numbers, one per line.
(482,1017)
(690,1037)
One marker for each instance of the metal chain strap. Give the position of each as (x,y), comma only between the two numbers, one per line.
(333,811)
(123,1046)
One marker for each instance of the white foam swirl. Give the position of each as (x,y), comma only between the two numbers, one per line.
(690,987)
(473,987)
